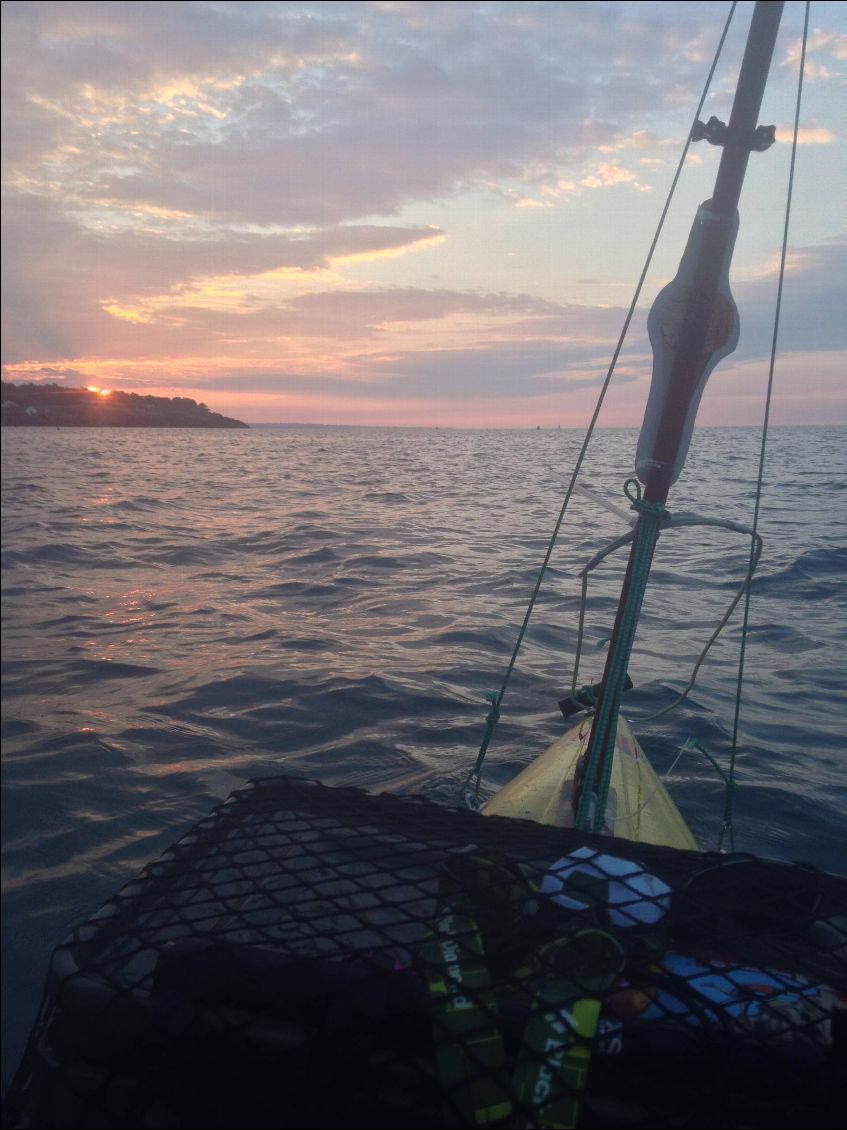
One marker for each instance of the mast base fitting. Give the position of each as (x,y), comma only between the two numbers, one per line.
(717,133)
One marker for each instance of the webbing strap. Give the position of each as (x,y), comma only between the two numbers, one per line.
(469,1052)
(560,1034)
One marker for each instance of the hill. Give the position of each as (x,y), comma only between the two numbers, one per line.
(56,406)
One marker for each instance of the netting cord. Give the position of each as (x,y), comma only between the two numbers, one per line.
(726,828)
(494,715)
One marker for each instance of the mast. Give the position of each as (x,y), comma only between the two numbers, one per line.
(693,324)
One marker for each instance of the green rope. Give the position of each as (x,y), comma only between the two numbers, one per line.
(595,789)
(729,783)
(679,522)
(768,399)
(598,406)
(744,587)
(491,720)
(692,743)
(632,490)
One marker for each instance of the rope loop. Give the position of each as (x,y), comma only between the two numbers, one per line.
(632,490)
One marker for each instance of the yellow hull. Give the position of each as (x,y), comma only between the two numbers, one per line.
(638,807)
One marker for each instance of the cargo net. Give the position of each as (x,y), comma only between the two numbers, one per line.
(309,956)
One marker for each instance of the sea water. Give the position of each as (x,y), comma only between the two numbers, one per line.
(185,610)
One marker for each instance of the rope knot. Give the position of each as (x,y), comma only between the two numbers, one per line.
(586,695)
(632,490)
(493,716)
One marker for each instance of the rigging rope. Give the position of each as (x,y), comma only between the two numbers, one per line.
(592,800)
(727,817)
(680,521)
(497,697)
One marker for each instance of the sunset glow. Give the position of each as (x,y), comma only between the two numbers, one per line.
(421,213)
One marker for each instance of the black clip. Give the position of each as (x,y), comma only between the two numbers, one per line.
(717,133)
(586,698)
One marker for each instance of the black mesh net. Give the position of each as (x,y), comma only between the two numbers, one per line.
(309,956)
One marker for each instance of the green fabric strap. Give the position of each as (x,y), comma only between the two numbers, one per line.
(469,1053)
(576,974)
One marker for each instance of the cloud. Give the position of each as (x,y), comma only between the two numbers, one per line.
(62,278)
(825,50)
(813,303)
(316,114)
(806,135)
(490,369)
(607,174)
(352,314)
(53,374)
(205,190)
(640,140)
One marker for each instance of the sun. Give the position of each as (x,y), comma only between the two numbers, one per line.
(98,390)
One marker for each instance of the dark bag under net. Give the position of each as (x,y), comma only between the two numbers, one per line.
(309,956)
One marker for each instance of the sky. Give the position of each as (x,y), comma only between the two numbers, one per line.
(403,213)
